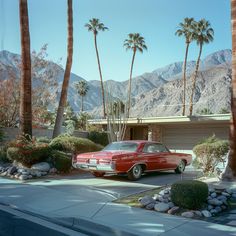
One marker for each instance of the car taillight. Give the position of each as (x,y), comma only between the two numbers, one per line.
(104,162)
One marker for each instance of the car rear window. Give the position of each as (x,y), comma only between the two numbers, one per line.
(121,146)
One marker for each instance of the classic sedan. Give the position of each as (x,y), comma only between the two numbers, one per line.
(132,158)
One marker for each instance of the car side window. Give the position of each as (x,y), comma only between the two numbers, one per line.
(154,148)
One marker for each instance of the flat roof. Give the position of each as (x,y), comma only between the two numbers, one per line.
(216,118)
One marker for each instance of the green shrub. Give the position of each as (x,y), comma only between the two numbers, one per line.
(189,194)
(61,161)
(209,153)
(3,155)
(99,137)
(43,140)
(73,144)
(27,152)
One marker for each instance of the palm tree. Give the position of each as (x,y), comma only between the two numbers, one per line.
(95,26)
(135,42)
(230,171)
(186,29)
(82,88)
(203,34)
(25,85)
(63,98)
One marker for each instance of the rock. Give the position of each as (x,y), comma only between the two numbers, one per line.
(156,196)
(38,174)
(171,204)
(229,191)
(25,172)
(144,201)
(30,176)
(198,213)
(209,207)
(23,177)
(164,191)
(188,214)
(214,194)
(53,171)
(223,207)
(166,196)
(222,198)
(209,198)
(219,189)
(160,199)
(225,194)
(4,173)
(12,170)
(173,210)
(233,196)
(43,173)
(42,166)
(206,213)
(150,206)
(215,202)
(218,209)
(213,211)
(161,207)
(166,200)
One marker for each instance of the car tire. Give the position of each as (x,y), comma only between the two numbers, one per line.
(98,174)
(181,167)
(135,173)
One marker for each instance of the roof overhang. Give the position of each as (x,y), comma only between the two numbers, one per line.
(216,118)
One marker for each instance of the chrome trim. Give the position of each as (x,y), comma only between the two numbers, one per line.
(94,167)
(139,163)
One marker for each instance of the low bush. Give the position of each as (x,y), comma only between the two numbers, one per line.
(27,152)
(189,194)
(73,144)
(61,161)
(1,135)
(209,153)
(99,137)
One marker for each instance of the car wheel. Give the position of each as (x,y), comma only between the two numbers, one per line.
(181,167)
(135,173)
(98,174)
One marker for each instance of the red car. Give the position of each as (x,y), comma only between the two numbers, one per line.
(133,158)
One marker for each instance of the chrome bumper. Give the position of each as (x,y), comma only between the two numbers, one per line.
(92,167)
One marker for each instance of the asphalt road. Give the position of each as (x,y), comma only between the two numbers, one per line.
(20,224)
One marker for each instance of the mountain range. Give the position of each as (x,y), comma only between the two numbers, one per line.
(156,93)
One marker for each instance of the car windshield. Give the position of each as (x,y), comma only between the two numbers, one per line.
(121,146)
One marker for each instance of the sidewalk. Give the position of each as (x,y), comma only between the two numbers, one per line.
(92,210)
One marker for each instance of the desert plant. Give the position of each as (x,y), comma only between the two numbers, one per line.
(189,194)
(98,137)
(73,144)
(61,161)
(209,153)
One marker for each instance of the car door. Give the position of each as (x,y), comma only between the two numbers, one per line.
(154,156)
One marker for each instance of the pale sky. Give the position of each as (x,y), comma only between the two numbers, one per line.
(155,20)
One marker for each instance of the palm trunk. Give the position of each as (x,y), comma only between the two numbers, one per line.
(184,77)
(130,79)
(63,98)
(230,171)
(25,85)
(82,103)
(194,81)
(100,73)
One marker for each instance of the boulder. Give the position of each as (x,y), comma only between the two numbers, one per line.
(218,209)
(144,201)
(23,177)
(161,207)
(173,210)
(215,202)
(150,206)
(12,170)
(213,211)
(188,214)
(234,195)
(214,194)
(210,207)
(198,213)
(171,204)
(222,198)
(42,166)
(206,213)
(53,171)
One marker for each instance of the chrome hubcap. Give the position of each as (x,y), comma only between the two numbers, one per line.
(137,171)
(181,166)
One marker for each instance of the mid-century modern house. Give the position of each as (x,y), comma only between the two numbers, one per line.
(178,133)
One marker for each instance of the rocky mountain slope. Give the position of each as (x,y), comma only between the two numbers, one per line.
(158,93)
